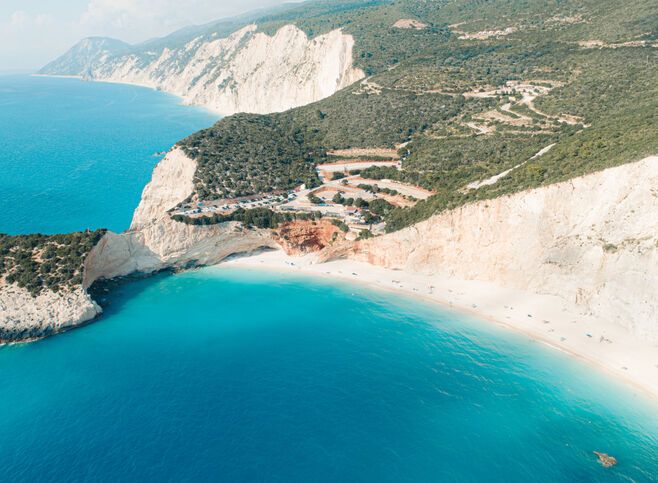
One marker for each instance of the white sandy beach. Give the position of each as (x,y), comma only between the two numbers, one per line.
(548,319)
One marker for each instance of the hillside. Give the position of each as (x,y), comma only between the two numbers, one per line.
(480,98)
(228,66)
(82,56)
(538,93)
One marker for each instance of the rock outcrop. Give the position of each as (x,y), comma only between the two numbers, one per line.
(606,460)
(155,242)
(301,237)
(248,71)
(592,240)
(24,317)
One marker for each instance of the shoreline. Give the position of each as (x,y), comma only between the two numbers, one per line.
(544,318)
(183,100)
(57,76)
(551,320)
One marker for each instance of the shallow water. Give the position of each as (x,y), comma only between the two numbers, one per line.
(77,155)
(233,374)
(241,375)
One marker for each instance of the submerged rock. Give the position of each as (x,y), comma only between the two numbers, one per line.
(605,459)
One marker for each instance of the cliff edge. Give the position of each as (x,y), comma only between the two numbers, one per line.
(248,71)
(156,242)
(24,317)
(592,240)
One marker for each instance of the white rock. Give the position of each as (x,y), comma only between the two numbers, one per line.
(23,317)
(155,242)
(248,71)
(592,240)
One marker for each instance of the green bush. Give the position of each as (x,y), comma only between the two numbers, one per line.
(52,262)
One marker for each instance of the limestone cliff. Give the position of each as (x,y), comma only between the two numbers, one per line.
(23,317)
(248,71)
(155,242)
(592,240)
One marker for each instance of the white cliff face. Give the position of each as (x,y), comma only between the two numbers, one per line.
(591,240)
(155,242)
(172,181)
(23,317)
(248,71)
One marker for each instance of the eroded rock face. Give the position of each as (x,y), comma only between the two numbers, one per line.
(248,71)
(155,242)
(300,237)
(592,240)
(23,317)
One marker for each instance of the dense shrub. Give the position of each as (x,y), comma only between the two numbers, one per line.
(38,262)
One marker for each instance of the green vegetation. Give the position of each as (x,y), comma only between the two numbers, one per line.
(338,198)
(364,235)
(376,189)
(416,92)
(247,154)
(53,262)
(380,207)
(448,98)
(251,218)
(341,225)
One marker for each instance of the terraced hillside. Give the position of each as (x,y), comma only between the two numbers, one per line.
(482,98)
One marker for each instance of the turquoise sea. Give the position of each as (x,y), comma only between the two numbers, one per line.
(76,154)
(226,374)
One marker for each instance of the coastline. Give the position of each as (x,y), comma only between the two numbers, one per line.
(183,100)
(55,76)
(547,319)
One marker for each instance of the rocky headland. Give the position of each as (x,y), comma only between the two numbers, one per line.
(247,71)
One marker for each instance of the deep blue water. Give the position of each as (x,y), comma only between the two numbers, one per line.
(239,375)
(76,155)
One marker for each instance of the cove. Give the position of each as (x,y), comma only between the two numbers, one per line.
(233,375)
